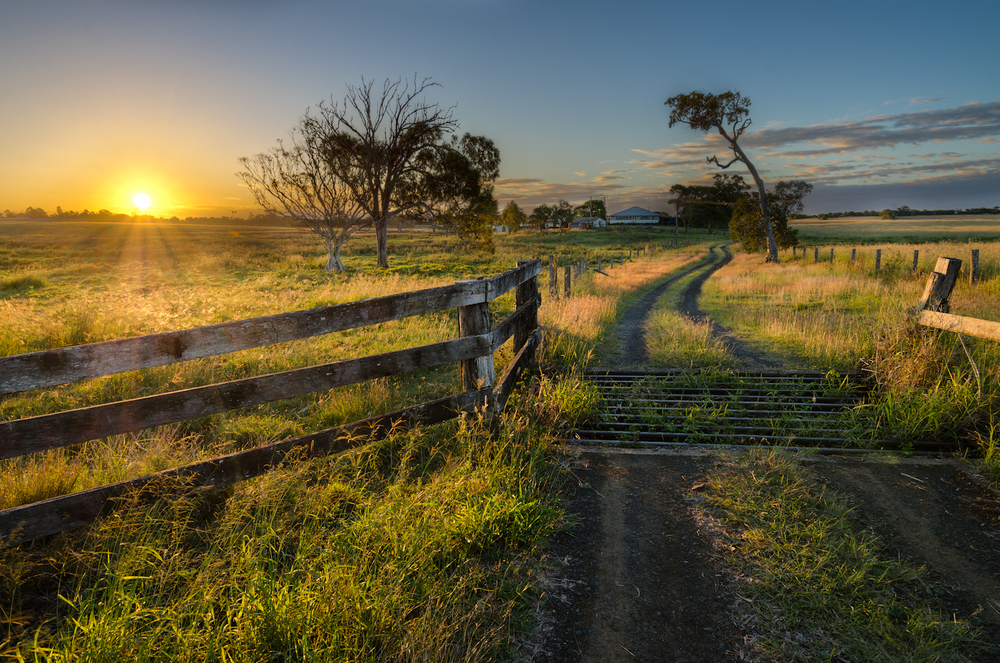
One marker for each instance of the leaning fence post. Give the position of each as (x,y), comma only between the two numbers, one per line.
(940,284)
(553,278)
(474,320)
(974,268)
(878,259)
(568,279)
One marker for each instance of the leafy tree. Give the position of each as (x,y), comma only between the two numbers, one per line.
(595,208)
(746,224)
(457,189)
(513,217)
(35,213)
(297,182)
(727,113)
(383,144)
(540,216)
(562,214)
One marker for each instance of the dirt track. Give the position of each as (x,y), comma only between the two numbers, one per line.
(639,578)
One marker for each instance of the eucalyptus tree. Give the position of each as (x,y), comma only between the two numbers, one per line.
(296,182)
(729,114)
(385,143)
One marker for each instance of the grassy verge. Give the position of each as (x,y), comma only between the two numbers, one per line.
(931,385)
(815,588)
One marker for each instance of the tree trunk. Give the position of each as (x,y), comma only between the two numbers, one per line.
(772,246)
(333,262)
(382,242)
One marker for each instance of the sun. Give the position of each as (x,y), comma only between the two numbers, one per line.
(141,201)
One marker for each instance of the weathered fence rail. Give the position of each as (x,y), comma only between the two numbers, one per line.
(932,309)
(473,350)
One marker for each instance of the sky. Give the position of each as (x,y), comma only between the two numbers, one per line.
(878,104)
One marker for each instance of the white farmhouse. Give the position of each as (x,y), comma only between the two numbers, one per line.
(635,215)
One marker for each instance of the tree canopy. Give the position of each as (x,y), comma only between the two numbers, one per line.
(784,202)
(729,114)
(389,146)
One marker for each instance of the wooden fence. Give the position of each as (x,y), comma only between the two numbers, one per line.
(473,350)
(933,310)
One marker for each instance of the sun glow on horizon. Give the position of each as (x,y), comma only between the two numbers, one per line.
(142,201)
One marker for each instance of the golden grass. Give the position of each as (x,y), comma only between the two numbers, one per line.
(576,325)
(909,228)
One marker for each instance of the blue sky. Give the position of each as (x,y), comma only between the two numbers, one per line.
(878,104)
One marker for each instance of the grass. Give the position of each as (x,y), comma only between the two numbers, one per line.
(820,589)
(874,230)
(420,547)
(931,385)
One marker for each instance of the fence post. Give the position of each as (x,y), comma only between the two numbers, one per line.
(815,254)
(567,277)
(854,254)
(526,295)
(831,256)
(599,264)
(878,259)
(553,278)
(974,268)
(940,284)
(473,320)
(916,255)
(793,253)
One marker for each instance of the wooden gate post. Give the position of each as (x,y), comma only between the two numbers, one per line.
(526,295)
(478,372)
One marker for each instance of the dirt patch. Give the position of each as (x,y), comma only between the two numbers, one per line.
(638,578)
(931,513)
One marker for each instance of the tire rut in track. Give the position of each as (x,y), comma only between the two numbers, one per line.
(630,334)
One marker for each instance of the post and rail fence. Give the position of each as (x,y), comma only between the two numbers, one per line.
(473,350)
(933,309)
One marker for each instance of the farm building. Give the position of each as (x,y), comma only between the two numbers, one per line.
(635,215)
(588,222)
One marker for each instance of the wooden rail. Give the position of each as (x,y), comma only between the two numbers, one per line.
(473,349)
(933,309)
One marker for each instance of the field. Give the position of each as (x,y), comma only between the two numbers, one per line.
(438,530)
(909,229)
(430,541)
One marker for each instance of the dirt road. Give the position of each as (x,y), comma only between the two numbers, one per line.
(639,578)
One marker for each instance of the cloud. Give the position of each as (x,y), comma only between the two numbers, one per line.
(533,191)
(973,121)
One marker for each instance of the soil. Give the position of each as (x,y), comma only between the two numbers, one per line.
(637,576)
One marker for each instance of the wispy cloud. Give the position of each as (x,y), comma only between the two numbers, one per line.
(974,121)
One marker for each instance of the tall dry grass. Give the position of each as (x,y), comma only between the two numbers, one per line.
(576,325)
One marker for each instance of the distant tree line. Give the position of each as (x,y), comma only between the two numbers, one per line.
(908,211)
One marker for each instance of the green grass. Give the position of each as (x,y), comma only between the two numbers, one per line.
(821,590)
(420,547)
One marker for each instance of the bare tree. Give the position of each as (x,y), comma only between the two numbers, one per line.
(297,182)
(380,143)
(728,113)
